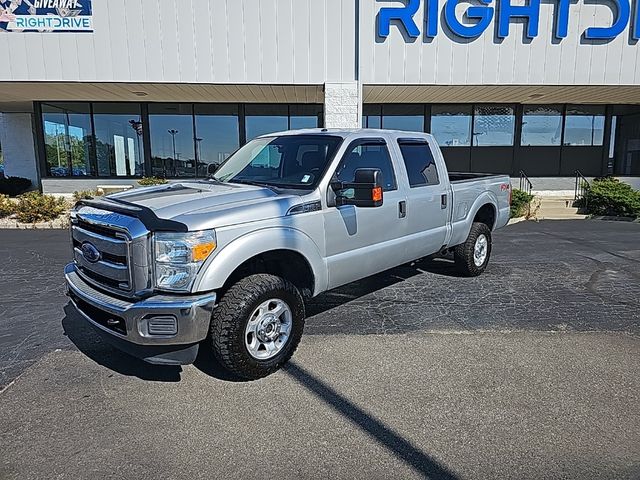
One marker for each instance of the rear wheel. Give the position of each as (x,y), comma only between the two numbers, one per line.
(472,256)
(257,325)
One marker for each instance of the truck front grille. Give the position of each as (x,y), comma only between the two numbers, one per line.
(108,256)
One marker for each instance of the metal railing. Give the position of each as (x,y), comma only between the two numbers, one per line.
(582,186)
(525,183)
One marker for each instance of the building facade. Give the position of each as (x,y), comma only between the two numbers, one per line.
(122,90)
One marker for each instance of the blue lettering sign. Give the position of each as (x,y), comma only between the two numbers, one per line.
(507,11)
(621,19)
(404,15)
(483,14)
(47,16)
(562,18)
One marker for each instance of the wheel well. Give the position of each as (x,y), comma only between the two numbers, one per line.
(286,264)
(486,215)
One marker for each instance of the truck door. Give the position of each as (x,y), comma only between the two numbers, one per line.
(428,198)
(363,241)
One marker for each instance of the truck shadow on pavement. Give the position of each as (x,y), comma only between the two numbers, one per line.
(401,448)
(90,344)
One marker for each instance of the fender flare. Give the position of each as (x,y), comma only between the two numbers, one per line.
(217,269)
(462,228)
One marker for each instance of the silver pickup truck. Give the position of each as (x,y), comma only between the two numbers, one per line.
(225,264)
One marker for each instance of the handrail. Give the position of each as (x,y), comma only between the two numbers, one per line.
(582,185)
(525,183)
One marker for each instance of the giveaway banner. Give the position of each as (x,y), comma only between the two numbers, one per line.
(43,16)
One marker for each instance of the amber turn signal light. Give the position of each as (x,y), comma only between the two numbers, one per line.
(376,194)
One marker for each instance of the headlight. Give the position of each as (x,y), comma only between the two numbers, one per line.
(179,256)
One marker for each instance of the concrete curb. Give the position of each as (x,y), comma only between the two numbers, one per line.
(615,219)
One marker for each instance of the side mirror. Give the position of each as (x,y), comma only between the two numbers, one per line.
(212,168)
(365,191)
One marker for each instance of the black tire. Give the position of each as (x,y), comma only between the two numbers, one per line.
(464,253)
(230,318)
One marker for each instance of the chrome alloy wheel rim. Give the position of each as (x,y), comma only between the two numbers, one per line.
(480,251)
(268,329)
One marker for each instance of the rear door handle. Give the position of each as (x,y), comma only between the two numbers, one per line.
(402,209)
(443,201)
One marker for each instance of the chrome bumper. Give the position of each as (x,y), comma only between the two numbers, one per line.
(130,321)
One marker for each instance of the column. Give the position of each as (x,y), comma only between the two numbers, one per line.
(18,146)
(342,105)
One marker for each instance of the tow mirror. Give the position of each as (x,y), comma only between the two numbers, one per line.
(365,191)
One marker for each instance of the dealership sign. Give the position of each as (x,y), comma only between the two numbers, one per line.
(46,16)
(482,13)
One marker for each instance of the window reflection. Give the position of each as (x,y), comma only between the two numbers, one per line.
(217,136)
(67,138)
(119,145)
(584,125)
(371,116)
(172,140)
(451,125)
(541,125)
(304,116)
(264,119)
(493,125)
(403,117)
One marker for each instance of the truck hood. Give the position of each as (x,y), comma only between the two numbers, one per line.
(203,205)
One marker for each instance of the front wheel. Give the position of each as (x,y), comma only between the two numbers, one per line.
(257,325)
(472,256)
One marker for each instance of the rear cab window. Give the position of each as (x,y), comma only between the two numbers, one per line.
(419,162)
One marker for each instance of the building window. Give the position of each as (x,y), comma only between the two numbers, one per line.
(419,162)
(451,125)
(119,145)
(217,136)
(403,117)
(172,140)
(265,119)
(372,116)
(584,125)
(493,125)
(67,137)
(305,116)
(541,126)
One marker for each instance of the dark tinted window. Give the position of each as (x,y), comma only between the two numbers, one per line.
(367,155)
(421,166)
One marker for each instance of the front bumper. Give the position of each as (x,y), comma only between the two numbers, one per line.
(127,325)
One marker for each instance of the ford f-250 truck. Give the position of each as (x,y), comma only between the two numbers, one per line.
(225,264)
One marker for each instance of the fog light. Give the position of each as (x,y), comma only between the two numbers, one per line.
(162,325)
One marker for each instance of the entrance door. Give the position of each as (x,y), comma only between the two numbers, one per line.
(363,241)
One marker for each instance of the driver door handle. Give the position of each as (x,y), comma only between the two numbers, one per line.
(402,209)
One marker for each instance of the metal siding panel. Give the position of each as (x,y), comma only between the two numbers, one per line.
(301,41)
(152,41)
(268,40)
(285,45)
(318,46)
(169,40)
(236,39)
(135,40)
(348,36)
(219,21)
(118,47)
(333,29)
(202,39)
(186,41)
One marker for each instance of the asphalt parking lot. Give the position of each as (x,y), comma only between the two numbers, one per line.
(529,371)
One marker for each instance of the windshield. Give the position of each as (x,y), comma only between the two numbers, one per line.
(292,161)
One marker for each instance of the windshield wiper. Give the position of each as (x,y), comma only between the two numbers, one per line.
(255,184)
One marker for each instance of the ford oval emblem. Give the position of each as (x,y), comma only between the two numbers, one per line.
(90,253)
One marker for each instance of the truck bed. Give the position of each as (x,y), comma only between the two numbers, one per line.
(458,177)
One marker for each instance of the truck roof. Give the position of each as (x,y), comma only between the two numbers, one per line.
(347,132)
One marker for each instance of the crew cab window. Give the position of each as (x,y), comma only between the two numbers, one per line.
(421,166)
(368,155)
